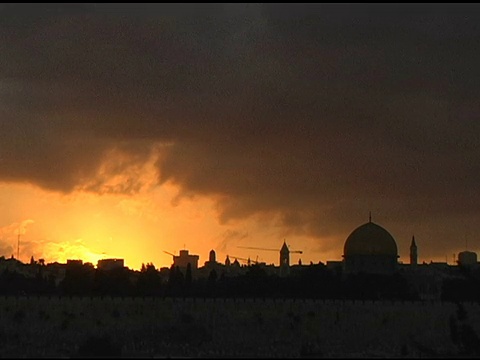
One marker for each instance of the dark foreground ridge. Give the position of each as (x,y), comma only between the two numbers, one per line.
(245,327)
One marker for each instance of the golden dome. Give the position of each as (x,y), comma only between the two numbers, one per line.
(370,239)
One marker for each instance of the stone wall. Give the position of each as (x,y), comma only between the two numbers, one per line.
(58,326)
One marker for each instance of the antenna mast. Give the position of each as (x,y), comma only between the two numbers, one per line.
(18,246)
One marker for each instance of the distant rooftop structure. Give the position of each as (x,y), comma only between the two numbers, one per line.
(212,259)
(71,262)
(334,264)
(184,259)
(467,258)
(110,264)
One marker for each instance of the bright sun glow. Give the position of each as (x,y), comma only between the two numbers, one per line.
(136,228)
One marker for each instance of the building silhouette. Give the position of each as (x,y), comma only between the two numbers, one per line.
(284,255)
(370,249)
(413,252)
(284,260)
(467,258)
(184,258)
(110,264)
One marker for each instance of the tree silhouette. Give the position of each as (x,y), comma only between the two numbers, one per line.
(79,280)
(149,282)
(175,281)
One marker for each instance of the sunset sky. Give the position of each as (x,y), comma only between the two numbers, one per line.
(128,130)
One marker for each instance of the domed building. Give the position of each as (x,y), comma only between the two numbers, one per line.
(370,249)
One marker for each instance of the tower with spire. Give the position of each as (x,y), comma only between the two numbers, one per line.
(284,255)
(284,260)
(413,252)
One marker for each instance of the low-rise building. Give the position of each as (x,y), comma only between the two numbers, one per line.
(110,264)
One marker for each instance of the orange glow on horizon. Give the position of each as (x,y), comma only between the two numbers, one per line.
(139,228)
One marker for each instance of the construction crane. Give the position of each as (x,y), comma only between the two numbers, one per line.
(243,259)
(173,255)
(284,252)
(256,248)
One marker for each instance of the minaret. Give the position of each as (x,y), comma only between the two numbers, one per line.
(413,252)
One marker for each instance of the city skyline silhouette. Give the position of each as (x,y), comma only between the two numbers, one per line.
(256,122)
(154,157)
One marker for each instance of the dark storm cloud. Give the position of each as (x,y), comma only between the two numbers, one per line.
(317,112)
